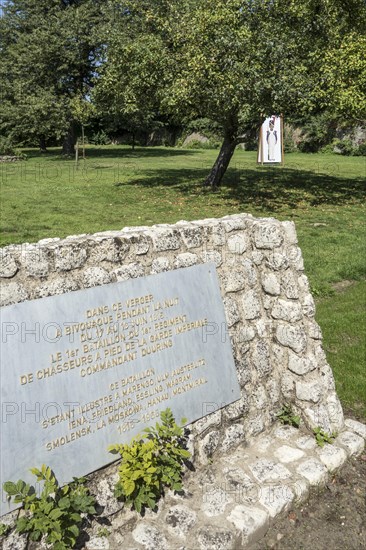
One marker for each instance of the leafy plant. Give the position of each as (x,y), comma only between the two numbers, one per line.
(6,146)
(322,437)
(56,512)
(100,138)
(151,462)
(287,416)
(4,529)
(103,532)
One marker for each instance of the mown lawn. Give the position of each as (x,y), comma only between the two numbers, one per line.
(47,196)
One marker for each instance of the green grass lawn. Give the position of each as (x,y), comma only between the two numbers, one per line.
(46,196)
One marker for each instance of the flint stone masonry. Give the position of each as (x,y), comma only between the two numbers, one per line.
(226,505)
(264,290)
(278,357)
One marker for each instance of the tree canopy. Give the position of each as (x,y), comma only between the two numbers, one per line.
(232,61)
(49,51)
(140,61)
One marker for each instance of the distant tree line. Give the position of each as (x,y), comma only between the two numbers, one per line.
(145,65)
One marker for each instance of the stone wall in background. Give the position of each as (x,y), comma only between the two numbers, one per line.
(276,342)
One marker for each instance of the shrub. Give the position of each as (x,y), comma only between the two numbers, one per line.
(6,147)
(317,132)
(210,144)
(288,417)
(151,463)
(56,513)
(100,138)
(343,147)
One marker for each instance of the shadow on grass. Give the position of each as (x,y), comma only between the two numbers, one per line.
(111,152)
(267,188)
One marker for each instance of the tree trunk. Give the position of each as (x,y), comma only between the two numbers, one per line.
(68,146)
(222,162)
(83,139)
(42,144)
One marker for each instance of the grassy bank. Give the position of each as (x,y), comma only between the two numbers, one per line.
(48,196)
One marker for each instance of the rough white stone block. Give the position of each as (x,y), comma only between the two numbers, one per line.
(192,236)
(180,520)
(251,305)
(164,238)
(332,457)
(95,276)
(36,262)
(238,244)
(8,266)
(308,306)
(97,543)
(245,334)
(271,284)
(231,311)
(210,421)
(12,293)
(214,501)
(286,454)
(286,310)
(301,365)
(276,498)
(257,257)
(267,235)
(159,265)
(69,257)
(290,285)
(252,522)
(211,538)
(185,260)
(250,272)
(212,256)
(313,470)
(233,436)
(351,442)
(15,542)
(261,359)
(356,427)
(266,470)
(291,336)
(129,271)
(317,416)
(277,261)
(309,391)
(149,537)
(285,433)
(235,281)
(306,442)
(290,232)
(335,410)
(300,487)
(208,446)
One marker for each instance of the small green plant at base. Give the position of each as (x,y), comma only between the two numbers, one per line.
(151,462)
(322,437)
(4,529)
(287,416)
(103,532)
(56,512)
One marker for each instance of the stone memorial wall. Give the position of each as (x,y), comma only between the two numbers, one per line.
(269,325)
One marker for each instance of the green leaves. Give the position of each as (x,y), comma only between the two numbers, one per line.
(49,53)
(151,464)
(322,437)
(55,513)
(287,417)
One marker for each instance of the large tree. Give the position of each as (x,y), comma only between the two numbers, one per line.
(231,61)
(49,51)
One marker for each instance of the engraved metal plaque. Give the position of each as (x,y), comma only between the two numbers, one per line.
(90,368)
